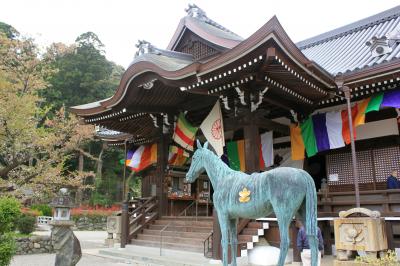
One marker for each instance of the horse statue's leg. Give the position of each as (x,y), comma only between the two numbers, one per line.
(224,225)
(233,236)
(283,223)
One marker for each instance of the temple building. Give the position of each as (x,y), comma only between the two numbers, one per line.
(264,83)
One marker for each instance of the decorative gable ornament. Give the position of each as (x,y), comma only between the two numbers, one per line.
(144,47)
(196,12)
(379,46)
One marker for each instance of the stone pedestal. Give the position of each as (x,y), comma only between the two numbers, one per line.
(113,227)
(353,234)
(66,245)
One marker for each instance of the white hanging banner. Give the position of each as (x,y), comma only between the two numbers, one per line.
(213,129)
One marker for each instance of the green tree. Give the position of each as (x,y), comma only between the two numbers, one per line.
(8,30)
(33,147)
(84,74)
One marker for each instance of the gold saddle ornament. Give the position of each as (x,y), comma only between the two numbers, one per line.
(244,195)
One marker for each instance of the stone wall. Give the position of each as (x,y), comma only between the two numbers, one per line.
(90,223)
(34,245)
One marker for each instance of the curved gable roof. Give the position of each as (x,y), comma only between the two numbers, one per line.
(207,29)
(153,62)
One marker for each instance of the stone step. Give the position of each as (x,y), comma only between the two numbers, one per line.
(177,234)
(172,239)
(188,218)
(258,225)
(247,238)
(185,223)
(253,231)
(167,245)
(199,229)
(154,259)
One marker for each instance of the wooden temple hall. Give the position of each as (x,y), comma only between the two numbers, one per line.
(264,83)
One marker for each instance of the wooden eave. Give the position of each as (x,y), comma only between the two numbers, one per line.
(372,74)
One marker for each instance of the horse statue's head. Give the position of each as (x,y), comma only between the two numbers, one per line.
(197,165)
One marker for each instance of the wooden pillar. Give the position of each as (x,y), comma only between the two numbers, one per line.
(124,224)
(252,143)
(216,247)
(162,160)
(293,236)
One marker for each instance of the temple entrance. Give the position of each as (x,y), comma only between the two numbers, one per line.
(316,167)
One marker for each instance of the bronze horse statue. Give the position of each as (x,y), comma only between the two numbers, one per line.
(286,191)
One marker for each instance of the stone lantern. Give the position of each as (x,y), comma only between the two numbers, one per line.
(62,205)
(67,246)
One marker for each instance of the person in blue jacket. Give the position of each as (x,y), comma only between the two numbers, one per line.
(304,247)
(392,181)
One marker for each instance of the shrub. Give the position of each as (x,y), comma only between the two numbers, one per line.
(43,208)
(9,213)
(31,212)
(7,249)
(26,224)
(390,259)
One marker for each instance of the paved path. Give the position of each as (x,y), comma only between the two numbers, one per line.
(49,259)
(89,240)
(91,243)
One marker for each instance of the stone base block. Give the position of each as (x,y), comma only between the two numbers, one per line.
(349,263)
(110,242)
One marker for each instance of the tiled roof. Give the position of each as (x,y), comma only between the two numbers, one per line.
(344,50)
(214,28)
(165,59)
(102,132)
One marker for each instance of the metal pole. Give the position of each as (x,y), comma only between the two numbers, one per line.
(124,176)
(346,91)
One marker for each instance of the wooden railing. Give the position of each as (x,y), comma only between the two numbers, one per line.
(141,212)
(207,246)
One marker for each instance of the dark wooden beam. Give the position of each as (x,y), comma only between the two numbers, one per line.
(265,123)
(252,143)
(150,109)
(259,121)
(199,103)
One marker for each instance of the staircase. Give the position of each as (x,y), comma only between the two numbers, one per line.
(250,235)
(180,233)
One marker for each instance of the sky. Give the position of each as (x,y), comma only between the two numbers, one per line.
(120,23)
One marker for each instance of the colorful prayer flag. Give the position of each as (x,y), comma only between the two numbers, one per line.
(236,155)
(345,123)
(266,150)
(177,156)
(320,132)
(307,132)
(375,103)
(391,99)
(334,126)
(143,157)
(361,109)
(184,133)
(213,129)
(296,142)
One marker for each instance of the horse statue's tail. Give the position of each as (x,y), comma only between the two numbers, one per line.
(311,219)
